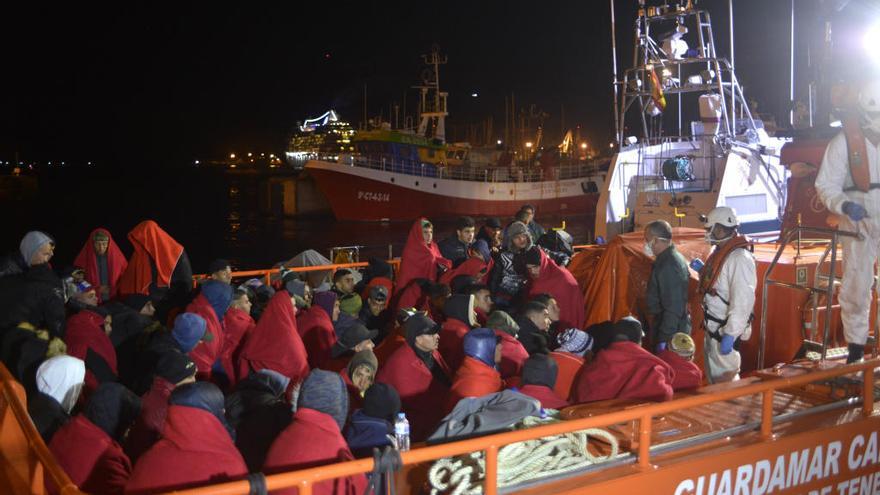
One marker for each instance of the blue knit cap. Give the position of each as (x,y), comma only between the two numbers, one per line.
(188,329)
(325,391)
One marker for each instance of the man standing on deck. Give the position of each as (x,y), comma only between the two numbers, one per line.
(667,296)
(849,185)
(727,286)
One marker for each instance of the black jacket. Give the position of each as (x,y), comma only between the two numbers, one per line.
(533,339)
(35,296)
(667,295)
(454,250)
(47,414)
(258,412)
(12,264)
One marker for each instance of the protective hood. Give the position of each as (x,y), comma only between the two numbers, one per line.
(62,377)
(219,296)
(113,408)
(512,231)
(325,392)
(479,344)
(202,395)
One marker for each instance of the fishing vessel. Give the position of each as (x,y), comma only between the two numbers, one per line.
(394,173)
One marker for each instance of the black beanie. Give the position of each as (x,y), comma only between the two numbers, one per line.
(175,366)
(136,301)
(381,401)
(540,369)
(217,265)
(628,329)
(533,256)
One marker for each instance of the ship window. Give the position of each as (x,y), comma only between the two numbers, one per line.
(435,185)
(750,204)
(450,154)
(417,182)
(392,179)
(460,155)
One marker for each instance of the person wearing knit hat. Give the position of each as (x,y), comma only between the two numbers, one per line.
(491,233)
(679,354)
(36,248)
(575,341)
(539,380)
(176,368)
(189,329)
(628,329)
(300,292)
(513,354)
(371,426)
(508,279)
(140,303)
(360,372)
(419,374)
(314,437)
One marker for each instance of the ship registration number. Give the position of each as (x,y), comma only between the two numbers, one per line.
(374,196)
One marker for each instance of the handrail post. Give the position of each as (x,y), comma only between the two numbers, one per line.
(868,391)
(491,480)
(767,414)
(645,441)
(305,487)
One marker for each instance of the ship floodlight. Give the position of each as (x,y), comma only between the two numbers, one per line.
(871,40)
(695,80)
(498,142)
(474,95)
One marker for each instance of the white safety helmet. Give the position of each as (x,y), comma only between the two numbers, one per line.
(724,215)
(869,105)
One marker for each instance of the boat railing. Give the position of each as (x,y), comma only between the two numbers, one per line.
(640,451)
(473,171)
(266,274)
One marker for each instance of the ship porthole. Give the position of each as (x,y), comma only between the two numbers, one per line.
(435,185)
(511,192)
(392,179)
(417,183)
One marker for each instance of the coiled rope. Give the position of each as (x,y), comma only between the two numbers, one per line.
(521,461)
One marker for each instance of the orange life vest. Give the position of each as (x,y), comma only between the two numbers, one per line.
(857,153)
(710,271)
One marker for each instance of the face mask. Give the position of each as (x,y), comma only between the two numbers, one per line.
(712,240)
(648,249)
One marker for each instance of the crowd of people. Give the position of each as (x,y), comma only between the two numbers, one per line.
(140,379)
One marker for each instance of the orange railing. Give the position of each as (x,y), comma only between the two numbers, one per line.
(24,458)
(266,274)
(305,479)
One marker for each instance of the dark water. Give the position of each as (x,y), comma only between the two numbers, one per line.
(213,215)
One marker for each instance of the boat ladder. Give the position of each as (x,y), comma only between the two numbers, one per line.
(824,284)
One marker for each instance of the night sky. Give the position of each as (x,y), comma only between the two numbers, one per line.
(143,83)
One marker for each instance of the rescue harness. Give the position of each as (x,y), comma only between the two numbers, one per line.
(709,274)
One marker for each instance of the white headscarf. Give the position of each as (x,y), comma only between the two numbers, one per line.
(62,377)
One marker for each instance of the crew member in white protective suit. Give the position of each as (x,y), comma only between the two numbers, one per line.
(849,185)
(727,285)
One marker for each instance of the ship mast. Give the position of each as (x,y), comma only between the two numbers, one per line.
(432,102)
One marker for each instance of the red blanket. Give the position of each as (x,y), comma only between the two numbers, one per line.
(116,263)
(623,371)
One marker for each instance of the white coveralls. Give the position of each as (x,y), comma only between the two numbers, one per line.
(859,255)
(735,284)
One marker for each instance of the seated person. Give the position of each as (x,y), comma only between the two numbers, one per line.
(321,411)
(220,270)
(513,354)
(460,319)
(574,341)
(624,370)
(548,277)
(352,337)
(343,285)
(375,314)
(538,380)
(455,248)
(534,325)
(420,376)
(359,375)
(371,425)
(477,375)
(679,354)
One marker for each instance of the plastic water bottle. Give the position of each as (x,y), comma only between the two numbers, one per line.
(401,432)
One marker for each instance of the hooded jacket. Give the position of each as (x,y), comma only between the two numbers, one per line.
(422,396)
(35,296)
(560,283)
(316,329)
(459,321)
(506,282)
(147,429)
(364,433)
(61,378)
(419,260)
(259,412)
(87,340)
(624,370)
(473,379)
(113,259)
(208,350)
(238,326)
(533,339)
(326,445)
(195,450)
(92,459)
(275,344)
(47,414)
(687,374)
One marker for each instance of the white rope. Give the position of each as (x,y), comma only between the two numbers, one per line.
(521,461)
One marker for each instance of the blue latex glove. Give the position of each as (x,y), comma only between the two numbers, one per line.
(727,342)
(854,211)
(661,347)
